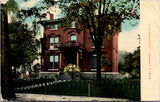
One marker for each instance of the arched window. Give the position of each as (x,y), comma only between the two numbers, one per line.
(73,37)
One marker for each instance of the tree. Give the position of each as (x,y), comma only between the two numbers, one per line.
(132,63)
(23,44)
(7,7)
(6,75)
(102,18)
(121,64)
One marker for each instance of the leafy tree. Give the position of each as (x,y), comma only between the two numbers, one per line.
(132,63)
(105,61)
(121,59)
(102,18)
(7,8)
(6,74)
(23,45)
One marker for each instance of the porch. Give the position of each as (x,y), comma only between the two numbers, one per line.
(70,52)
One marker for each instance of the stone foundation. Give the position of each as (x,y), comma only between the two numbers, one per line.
(88,75)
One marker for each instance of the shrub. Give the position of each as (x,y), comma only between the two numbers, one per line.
(72,70)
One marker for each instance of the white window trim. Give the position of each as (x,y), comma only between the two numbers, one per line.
(94,47)
(53,69)
(96,69)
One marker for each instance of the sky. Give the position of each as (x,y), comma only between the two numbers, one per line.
(128,37)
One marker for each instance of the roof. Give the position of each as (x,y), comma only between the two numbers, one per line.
(55,21)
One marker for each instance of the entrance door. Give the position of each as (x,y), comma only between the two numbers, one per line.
(70,57)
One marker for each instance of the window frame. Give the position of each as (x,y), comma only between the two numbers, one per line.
(93,45)
(56,62)
(55,26)
(54,45)
(72,38)
(51,62)
(51,44)
(94,55)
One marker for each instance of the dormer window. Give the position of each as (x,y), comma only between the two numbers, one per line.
(54,27)
(73,38)
(73,24)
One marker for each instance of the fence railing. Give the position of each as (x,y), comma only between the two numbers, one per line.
(117,88)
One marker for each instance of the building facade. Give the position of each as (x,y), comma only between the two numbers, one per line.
(62,47)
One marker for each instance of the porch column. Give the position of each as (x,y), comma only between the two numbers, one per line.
(60,59)
(77,58)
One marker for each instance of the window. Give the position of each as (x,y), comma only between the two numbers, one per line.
(94,61)
(73,38)
(93,43)
(56,62)
(54,27)
(73,24)
(51,62)
(51,43)
(56,41)
(48,26)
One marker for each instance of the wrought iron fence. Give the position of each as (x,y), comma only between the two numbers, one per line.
(115,88)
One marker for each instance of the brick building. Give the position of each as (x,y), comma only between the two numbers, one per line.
(67,46)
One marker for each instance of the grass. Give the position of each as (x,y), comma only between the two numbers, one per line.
(120,88)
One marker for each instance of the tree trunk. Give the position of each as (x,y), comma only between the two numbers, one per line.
(14,76)
(98,51)
(6,74)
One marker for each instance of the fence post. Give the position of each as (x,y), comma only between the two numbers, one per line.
(89,88)
(45,84)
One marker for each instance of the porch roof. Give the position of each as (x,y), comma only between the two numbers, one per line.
(71,46)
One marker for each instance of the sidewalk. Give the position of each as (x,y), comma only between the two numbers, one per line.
(40,97)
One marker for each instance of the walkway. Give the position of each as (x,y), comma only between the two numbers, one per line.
(40,97)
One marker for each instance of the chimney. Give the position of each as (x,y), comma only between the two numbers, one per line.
(51,16)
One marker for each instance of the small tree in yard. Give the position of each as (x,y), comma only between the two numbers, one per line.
(72,70)
(102,18)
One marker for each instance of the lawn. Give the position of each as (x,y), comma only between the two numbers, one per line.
(119,88)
